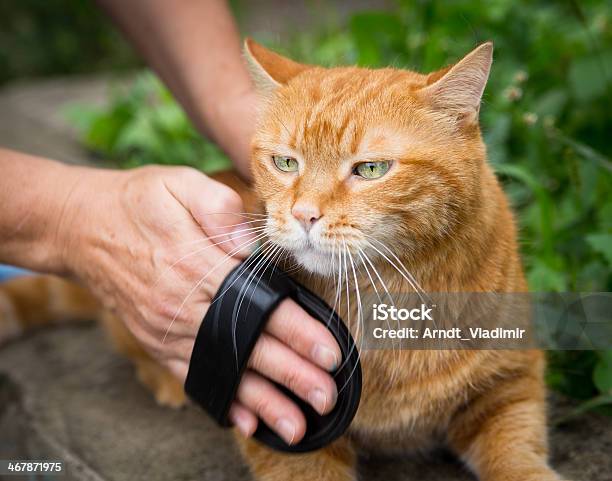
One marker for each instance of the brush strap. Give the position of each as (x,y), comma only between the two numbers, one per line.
(233,323)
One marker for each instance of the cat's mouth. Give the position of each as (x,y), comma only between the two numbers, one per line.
(314,260)
(317,251)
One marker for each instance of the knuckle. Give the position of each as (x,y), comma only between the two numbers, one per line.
(289,326)
(164,308)
(302,324)
(160,257)
(185,269)
(150,171)
(163,314)
(291,379)
(262,406)
(145,169)
(179,175)
(187,173)
(257,360)
(298,338)
(228,198)
(193,316)
(148,342)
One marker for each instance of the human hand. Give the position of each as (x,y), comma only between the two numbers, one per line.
(154,244)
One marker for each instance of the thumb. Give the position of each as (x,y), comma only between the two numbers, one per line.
(218,210)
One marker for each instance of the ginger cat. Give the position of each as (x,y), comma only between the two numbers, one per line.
(345,159)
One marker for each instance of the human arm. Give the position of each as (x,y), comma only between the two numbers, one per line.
(153,244)
(194,46)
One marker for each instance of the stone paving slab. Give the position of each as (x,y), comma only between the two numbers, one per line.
(65,394)
(34,115)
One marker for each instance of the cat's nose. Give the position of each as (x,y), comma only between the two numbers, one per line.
(306,213)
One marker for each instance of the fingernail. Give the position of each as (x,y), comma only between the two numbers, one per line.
(243,425)
(286,429)
(325,357)
(318,399)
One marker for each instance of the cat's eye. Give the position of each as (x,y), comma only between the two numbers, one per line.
(372,170)
(285,163)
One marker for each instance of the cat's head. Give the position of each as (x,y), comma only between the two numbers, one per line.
(350,158)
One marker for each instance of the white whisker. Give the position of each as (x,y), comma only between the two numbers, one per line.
(414,286)
(359,316)
(260,267)
(251,231)
(395,353)
(202,279)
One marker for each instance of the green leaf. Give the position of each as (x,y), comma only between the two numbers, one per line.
(496,134)
(592,276)
(335,50)
(601,243)
(169,116)
(545,208)
(604,215)
(543,278)
(596,402)
(138,134)
(551,103)
(588,183)
(81,116)
(587,77)
(105,129)
(377,35)
(570,372)
(602,375)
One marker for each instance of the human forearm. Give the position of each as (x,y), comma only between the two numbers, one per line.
(34,193)
(195,48)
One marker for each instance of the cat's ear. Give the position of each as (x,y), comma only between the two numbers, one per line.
(269,70)
(458,89)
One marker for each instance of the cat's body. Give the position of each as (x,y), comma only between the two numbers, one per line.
(443,214)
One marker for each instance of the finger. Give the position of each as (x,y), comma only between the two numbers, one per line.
(261,397)
(217,209)
(310,338)
(279,363)
(244,419)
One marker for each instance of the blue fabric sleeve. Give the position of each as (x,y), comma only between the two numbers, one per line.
(8,272)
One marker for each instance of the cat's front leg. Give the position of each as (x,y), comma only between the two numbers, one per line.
(502,436)
(336,462)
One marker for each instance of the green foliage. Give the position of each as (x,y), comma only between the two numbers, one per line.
(602,375)
(144,125)
(546,114)
(58,37)
(546,119)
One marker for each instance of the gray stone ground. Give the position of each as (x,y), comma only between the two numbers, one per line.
(64,394)
(33,116)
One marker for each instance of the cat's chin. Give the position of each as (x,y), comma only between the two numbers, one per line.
(316,262)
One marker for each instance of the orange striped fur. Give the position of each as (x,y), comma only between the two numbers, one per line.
(442,212)
(440,209)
